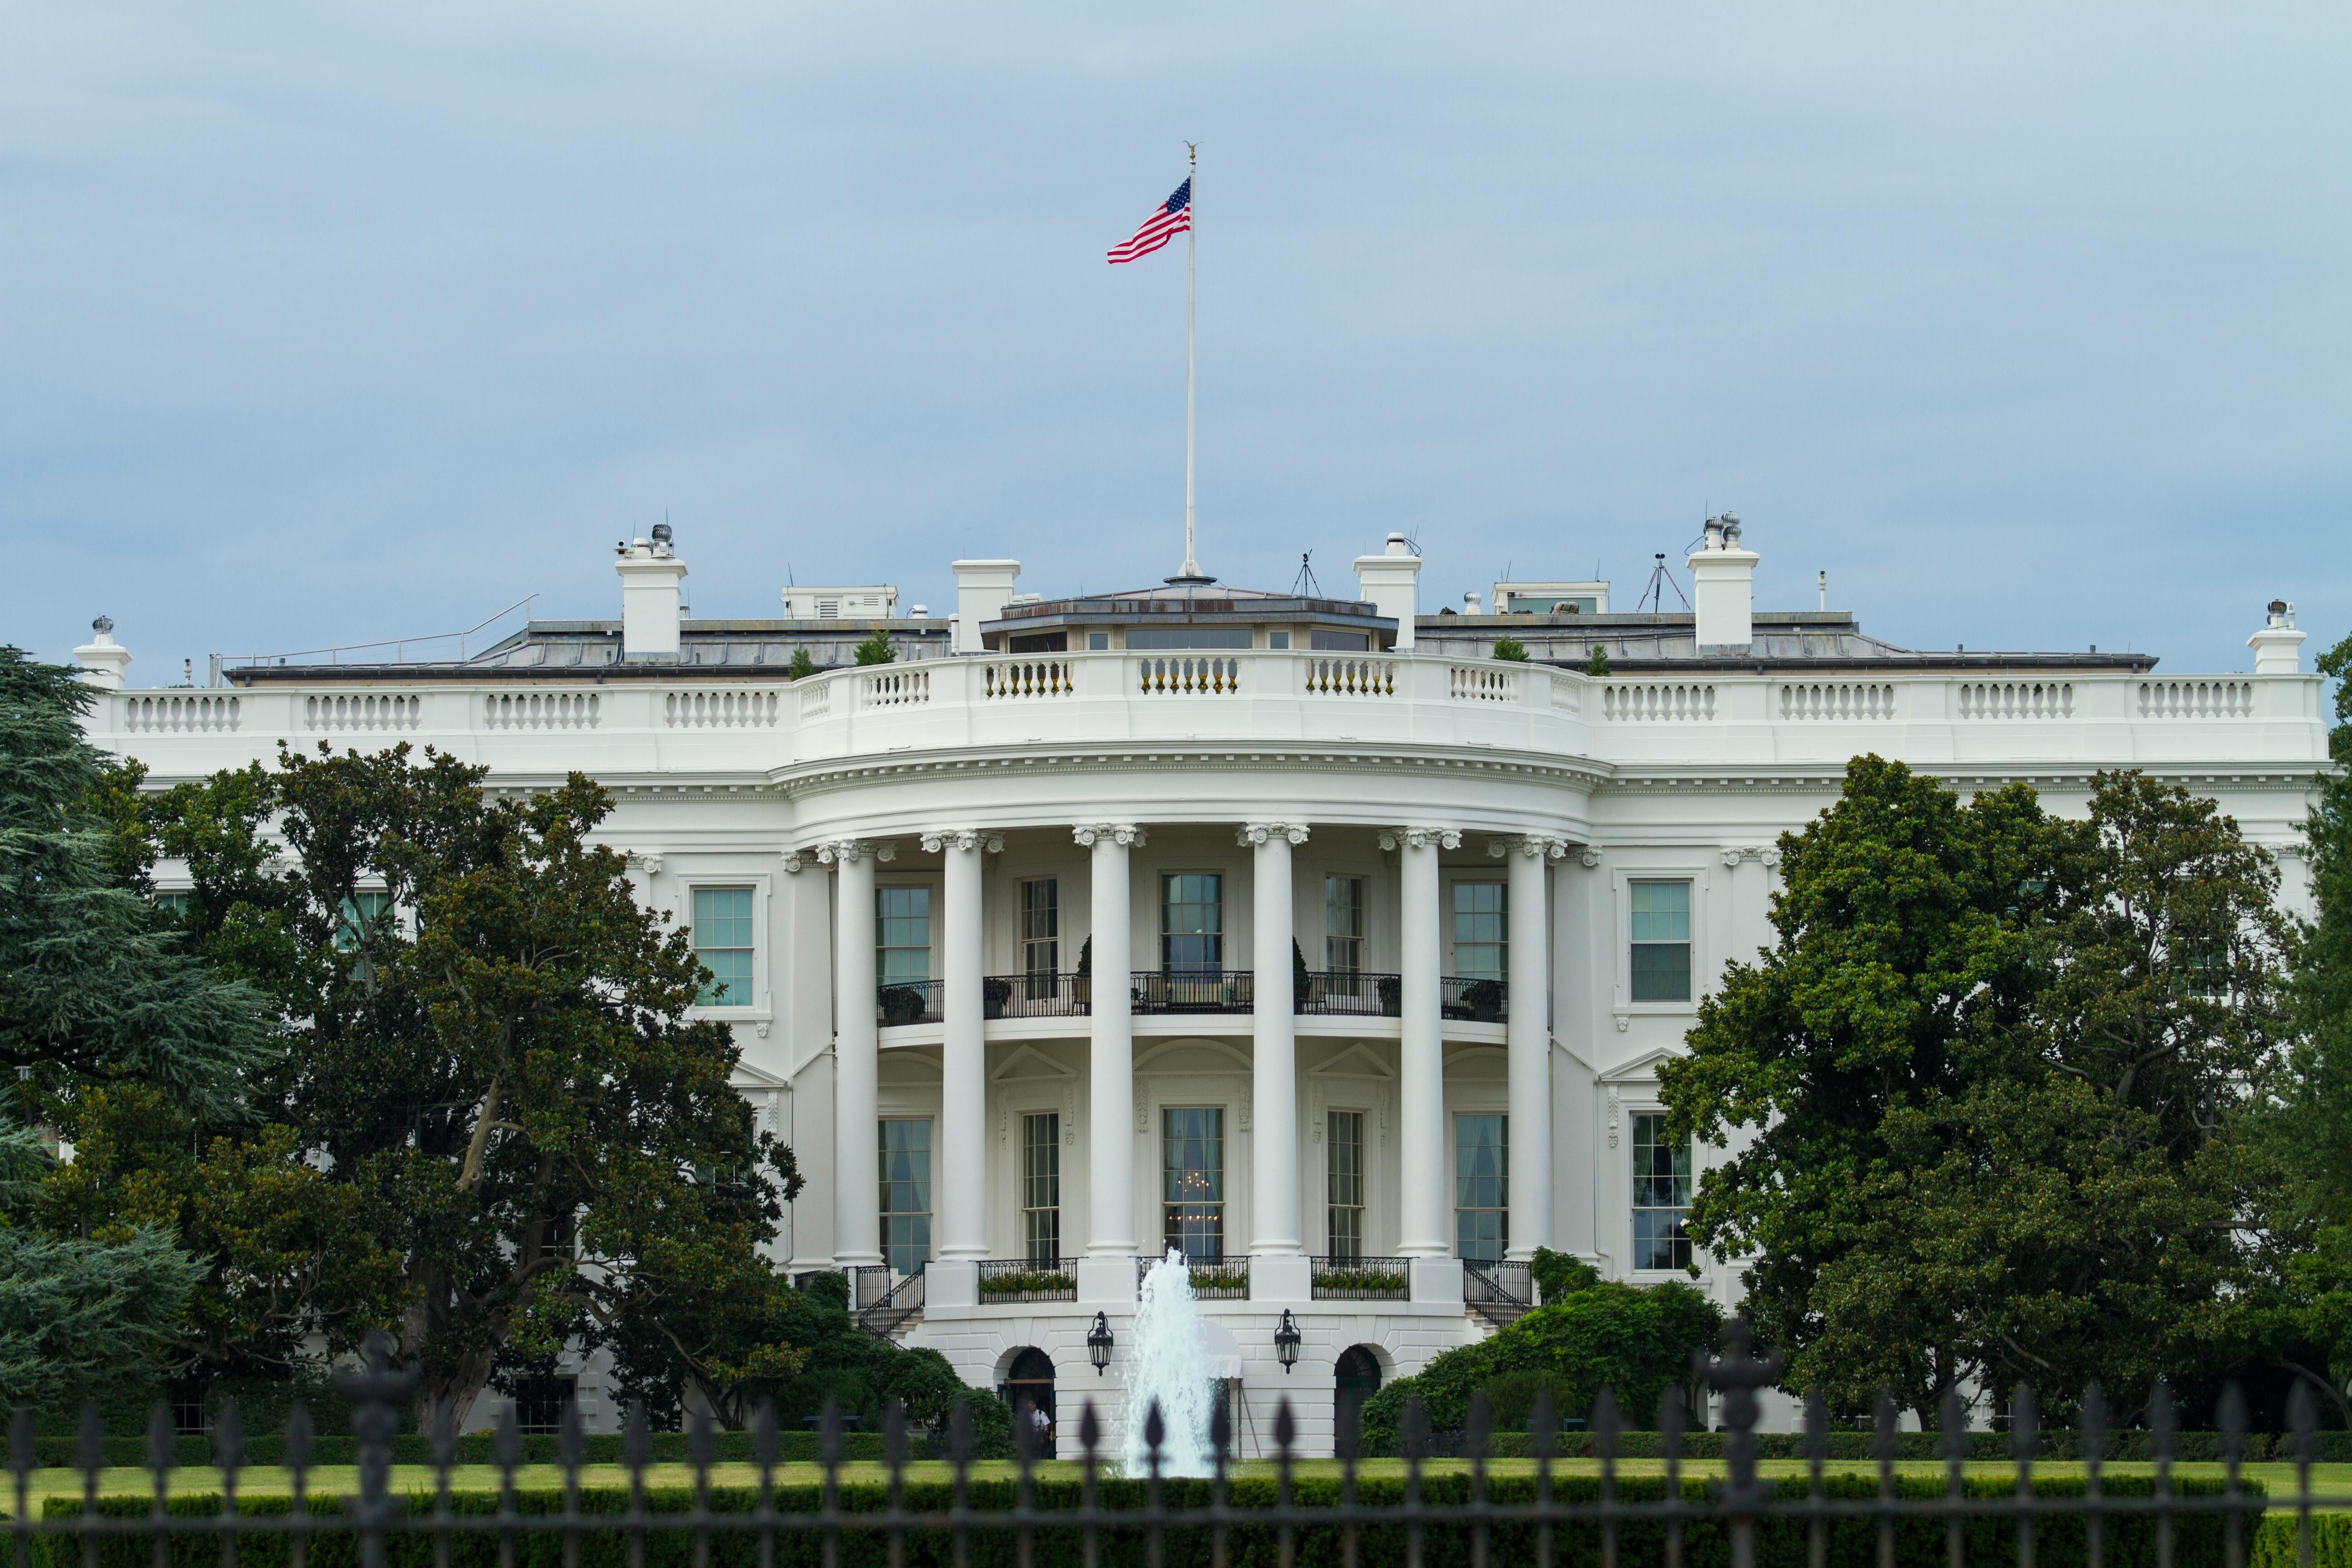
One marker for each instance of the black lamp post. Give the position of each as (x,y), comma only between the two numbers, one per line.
(1286,1340)
(1099,1343)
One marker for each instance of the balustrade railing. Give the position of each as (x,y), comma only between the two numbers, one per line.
(366,712)
(1006,1281)
(540,711)
(1026,678)
(1043,995)
(894,688)
(1351,677)
(1658,702)
(191,715)
(755,709)
(2016,700)
(1356,1279)
(1194,990)
(898,1003)
(1479,683)
(1350,992)
(1472,1000)
(1837,700)
(2196,699)
(1195,675)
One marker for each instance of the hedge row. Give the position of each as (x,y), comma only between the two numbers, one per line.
(1853,1543)
(2134,1446)
(408,1449)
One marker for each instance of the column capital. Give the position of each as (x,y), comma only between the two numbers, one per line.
(1421,837)
(1588,856)
(794,860)
(646,861)
(1262,832)
(842,851)
(963,838)
(1534,846)
(1126,835)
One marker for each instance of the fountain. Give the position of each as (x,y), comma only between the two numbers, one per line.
(1168,1365)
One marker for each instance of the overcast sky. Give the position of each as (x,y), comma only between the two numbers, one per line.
(323,322)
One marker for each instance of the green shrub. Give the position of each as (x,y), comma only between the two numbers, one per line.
(1598,665)
(1556,1274)
(1511,648)
(877,649)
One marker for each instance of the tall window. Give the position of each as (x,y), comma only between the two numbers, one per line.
(1041,934)
(1344,1203)
(902,935)
(1482,1187)
(1481,931)
(361,913)
(1661,938)
(175,904)
(1041,1189)
(722,941)
(1192,922)
(1343,924)
(1662,1194)
(1192,1190)
(906,1196)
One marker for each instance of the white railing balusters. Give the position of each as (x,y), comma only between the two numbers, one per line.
(1196,675)
(2016,700)
(2196,699)
(364,711)
(180,715)
(1658,702)
(1026,678)
(1351,677)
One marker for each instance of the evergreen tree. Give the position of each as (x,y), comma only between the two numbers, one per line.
(1512,649)
(801,666)
(1598,665)
(877,649)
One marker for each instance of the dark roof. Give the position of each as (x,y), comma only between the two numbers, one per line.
(545,648)
(1816,639)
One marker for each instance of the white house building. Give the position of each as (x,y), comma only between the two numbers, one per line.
(1298,934)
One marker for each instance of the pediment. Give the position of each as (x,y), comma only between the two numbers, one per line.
(909,1067)
(1192,1056)
(1028,1062)
(1642,1068)
(1355,1061)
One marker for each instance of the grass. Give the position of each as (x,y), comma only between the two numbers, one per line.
(2333,1481)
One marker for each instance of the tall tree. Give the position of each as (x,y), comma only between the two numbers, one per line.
(495,1053)
(1982,1081)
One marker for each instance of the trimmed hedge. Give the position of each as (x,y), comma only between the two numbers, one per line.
(408,1449)
(2198,1448)
(1853,1543)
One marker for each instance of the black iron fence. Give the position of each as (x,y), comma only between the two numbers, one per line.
(1041,994)
(1350,992)
(1480,1510)
(1194,990)
(1474,1001)
(897,1002)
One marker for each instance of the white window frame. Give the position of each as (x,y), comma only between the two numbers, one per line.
(1621,878)
(761,1009)
(1453,879)
(1628,1110)
(931,882)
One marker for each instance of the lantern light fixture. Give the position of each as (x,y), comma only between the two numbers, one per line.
(1286,1340)
(1098,1343)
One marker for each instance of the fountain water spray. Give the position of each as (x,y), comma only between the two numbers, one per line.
(1168,1365)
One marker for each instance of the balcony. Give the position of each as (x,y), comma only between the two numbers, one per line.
(1474,1001)
(1224,1279)
(1357,1278)
(1036,995)
(1158,991)
(898,1003)
(1346,993)
(1006,1281)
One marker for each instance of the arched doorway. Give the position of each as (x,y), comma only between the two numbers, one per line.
(1359,1379)
(1028,1387)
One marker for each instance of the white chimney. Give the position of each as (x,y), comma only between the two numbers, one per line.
(982,590)
(2278,646)
(1723,588)
(101,658)
(1387,579)
(650,575)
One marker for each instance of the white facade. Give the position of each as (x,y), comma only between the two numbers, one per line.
(1413,817)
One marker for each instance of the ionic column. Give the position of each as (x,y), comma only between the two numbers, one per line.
(856,1062)
(1420,1077)
(1107,1274)
(1274,1071)
(1529,1037)
(962,1178)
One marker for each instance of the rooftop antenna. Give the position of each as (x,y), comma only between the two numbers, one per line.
(1661,578)
(1413,542)
(1305,583)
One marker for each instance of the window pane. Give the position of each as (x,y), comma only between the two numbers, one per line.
(1661,972)
(1192,922)
(1193,1176)
(1660,910)
(722,941)
(1343,924)
(1344,1134)
(902,935)
(1481,931)
(1481,1191)
(1041,926)
(906,1195)
(1041,1184)
(360,912)
(1662,1194)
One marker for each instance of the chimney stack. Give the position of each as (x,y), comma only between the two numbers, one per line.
(982,590)
(1387,579)
(2278,646)
(650,575)
(1722,588)
(101,658)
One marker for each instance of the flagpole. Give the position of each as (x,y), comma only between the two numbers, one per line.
(1191,252)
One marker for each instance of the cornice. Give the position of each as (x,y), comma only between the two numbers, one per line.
(815,778)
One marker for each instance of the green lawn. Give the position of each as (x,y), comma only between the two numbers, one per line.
(2331,1481)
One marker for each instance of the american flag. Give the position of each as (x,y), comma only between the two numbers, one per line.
(1168,219)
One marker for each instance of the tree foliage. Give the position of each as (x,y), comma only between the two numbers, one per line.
(1511,648)
(1982,1084)
(1635,1342)
(877,649)
(495,1057)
